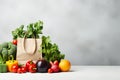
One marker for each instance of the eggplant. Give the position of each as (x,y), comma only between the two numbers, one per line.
(42,66)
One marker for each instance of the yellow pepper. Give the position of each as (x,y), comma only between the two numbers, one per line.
(10,63)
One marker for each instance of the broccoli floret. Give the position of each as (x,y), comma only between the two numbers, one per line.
(5,54)
(12,50)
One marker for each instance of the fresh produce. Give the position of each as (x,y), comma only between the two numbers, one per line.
(4,54)
(7,49)
(33,31)
(64,65)
(12,50)
(32,68)
(50,70)
(56,62)
(21,69)
(14,68)
(55,66)
(50,52)
(10,63)
(42,66)
(24,69)
(14,42)
(28,63)
(3,68)
(18,68)
(53,61)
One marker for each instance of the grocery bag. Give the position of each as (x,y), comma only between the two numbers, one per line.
(28,49)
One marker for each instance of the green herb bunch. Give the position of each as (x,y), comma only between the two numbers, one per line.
(50,51)
(33,30)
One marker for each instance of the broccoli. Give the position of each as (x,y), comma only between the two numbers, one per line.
(5,55)
(12,50)
(6,50)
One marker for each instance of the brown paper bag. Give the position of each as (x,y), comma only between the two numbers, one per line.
(28,49)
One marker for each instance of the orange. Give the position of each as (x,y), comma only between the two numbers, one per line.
(64,65)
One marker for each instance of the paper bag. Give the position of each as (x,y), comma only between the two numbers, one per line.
(28,49)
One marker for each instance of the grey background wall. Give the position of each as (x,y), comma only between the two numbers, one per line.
(87,31)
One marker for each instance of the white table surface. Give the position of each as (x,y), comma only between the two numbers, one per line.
(76,73)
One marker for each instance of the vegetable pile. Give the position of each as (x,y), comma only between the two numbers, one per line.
(7,49)
(50,52)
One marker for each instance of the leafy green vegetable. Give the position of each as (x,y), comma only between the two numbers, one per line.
(33,31)
(12,49)
(50,51)
(18,32)
(6,50)
(5,55)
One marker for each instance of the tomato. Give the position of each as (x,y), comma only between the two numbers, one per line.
(14,42)
(28,63)
(19,70)
(50,70)
(32,68)
(23,69)
(14,68)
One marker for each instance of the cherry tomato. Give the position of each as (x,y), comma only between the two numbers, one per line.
(24,69)
(14,42)
(15,68)
(19,70)
(50,70)
(32,68)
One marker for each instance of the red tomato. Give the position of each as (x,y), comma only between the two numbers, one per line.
(50,70)
(19,70)
(23,69)
(32,68)
(28,64)
(14,42)
(15,68)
